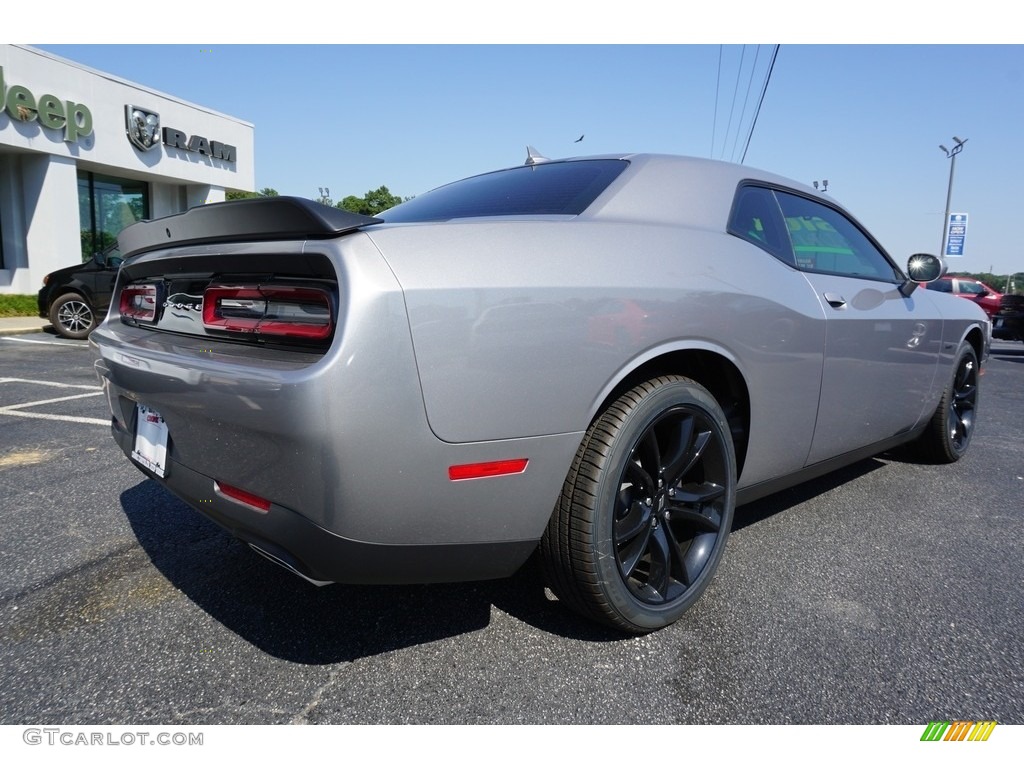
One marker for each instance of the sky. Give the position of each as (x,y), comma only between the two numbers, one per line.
(868,118)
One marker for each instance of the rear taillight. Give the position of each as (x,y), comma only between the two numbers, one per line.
(271,310)
(138,302)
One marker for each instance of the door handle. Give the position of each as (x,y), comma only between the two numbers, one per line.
(835,300)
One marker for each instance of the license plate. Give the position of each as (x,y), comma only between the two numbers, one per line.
(150,440)
(999,322)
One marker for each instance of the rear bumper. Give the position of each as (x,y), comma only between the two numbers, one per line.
(1008,328)
(319,555)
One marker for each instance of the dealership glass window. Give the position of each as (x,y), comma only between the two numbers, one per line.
(106,205)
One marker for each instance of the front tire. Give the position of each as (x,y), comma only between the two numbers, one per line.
(952,425)
(72,316)
(646,508)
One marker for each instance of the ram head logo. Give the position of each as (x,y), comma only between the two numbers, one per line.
(142,126)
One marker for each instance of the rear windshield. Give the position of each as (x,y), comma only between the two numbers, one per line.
(565,188)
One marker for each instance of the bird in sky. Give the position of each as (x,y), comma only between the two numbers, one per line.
(579,139)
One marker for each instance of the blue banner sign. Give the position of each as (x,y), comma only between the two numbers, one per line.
(956,234)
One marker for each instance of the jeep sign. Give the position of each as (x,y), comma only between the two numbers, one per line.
(20,103)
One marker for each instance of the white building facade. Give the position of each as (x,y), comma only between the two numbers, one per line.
(83,154)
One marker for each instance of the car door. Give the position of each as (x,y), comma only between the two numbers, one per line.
(881,347)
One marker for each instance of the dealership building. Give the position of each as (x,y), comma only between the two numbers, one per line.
(83,154)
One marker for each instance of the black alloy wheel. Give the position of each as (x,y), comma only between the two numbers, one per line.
(963,402)
(646,509)
(949,433)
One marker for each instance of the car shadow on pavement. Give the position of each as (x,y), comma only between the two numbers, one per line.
(762,509)
(290,619)
(1015,355)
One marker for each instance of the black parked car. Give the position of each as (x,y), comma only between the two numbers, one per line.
(76,298)
(1008,323)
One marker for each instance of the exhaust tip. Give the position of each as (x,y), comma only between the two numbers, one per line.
(288,566)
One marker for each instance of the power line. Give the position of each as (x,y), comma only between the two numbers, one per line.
(732,109)
(746,100)
(718,89)
(760,101)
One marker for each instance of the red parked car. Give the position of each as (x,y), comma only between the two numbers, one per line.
(969,288)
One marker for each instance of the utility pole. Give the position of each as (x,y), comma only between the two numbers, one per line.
(951,154)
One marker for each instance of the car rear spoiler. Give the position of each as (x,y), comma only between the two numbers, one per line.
(261,218)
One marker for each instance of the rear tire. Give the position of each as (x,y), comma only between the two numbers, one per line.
(72,316)
(646,508)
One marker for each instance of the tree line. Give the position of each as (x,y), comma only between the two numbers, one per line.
(373,202)
(997,283)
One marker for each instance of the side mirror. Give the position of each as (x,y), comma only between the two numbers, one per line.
(922,268)
(100,259)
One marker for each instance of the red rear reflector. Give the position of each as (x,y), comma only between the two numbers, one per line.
(487,469)
(273,310)
(138,302)
(237,494)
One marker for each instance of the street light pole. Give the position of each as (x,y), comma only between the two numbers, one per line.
(951,154)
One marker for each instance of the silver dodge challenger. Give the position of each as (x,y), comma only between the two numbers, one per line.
(596,357)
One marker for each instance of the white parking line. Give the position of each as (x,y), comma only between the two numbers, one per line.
(16,410)
(40,341)
(51,400)
(54,417)
(5,379)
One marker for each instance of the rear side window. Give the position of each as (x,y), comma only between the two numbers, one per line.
(559,188)
(755,217)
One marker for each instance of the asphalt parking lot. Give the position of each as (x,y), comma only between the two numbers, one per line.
(889,592)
